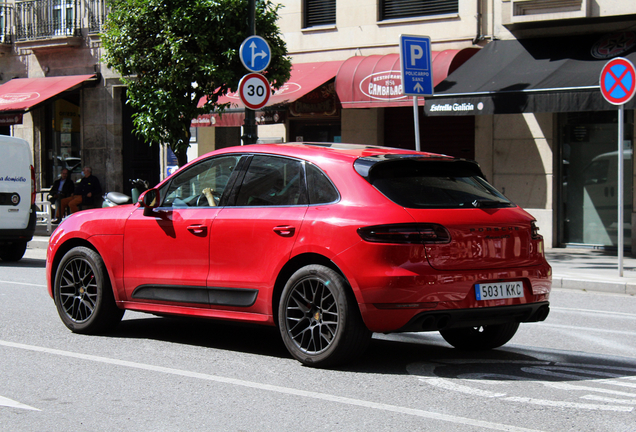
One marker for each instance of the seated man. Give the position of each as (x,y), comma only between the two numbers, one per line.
(63,187)
(86,191)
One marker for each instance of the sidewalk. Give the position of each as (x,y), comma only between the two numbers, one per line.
(583,269)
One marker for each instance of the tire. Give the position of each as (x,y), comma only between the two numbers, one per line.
(480,338)
(319,319)
(83,294)
(13,252)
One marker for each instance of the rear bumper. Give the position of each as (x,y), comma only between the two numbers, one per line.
(447,319)
(22,235)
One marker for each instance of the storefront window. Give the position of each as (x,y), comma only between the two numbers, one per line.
(65,138)
(589,179)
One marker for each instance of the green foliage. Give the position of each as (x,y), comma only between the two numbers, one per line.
(171,53)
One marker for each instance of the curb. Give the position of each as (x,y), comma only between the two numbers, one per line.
(618,287)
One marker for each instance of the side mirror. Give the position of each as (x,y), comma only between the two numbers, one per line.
(149,200)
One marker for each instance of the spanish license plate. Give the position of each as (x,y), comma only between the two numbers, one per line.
(499,290)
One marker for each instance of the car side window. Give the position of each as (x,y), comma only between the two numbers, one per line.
(321,190)
(201,185)
(272,181)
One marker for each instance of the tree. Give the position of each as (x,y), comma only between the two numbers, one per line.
(172,53)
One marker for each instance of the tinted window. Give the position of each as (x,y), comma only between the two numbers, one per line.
(272,181)
(201,185)
(321,191)
(435,184)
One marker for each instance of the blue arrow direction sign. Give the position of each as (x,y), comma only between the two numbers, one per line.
(415,61)
(255,54)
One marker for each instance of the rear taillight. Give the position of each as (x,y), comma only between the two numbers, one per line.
(535,231)
(32,184)
(405,233)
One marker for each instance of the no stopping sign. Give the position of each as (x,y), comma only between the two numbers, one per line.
(618,81)
(254,91)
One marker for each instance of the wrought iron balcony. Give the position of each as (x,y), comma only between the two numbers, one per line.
(44,19)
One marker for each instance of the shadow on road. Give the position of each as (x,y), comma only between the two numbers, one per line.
(423,354)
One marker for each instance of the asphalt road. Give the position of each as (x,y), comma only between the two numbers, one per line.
(574,372)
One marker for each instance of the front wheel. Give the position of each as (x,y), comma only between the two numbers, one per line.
(319,319)
(83,294)
(480,338)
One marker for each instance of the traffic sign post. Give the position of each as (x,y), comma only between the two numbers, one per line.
(255,53)
(417,73)
(618,85)
(254,91)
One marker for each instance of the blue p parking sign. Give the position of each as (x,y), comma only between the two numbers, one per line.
(415,61)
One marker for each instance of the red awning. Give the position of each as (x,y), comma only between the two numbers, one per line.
(21,94)
(375,81)
(305,77)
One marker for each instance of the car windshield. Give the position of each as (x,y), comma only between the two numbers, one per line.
(418,183)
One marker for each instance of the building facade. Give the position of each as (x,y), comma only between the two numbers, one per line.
(526,105)
(56,94)
(516,88)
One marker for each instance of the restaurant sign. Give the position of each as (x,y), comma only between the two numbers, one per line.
(10,119)
(383,86)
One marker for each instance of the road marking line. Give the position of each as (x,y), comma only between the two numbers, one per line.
(273,388)
(15,404)
(592,311)
(449,385)
(570,387)
(576,405)
(587,329)
(610,400)
(23,283)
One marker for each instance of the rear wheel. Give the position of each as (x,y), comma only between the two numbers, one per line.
(83,293)
(319,319)
(13,252)
(480,338)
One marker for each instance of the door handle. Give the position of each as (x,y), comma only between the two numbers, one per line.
(199,230)
(285,230)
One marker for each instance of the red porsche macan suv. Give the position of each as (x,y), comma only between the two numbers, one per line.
(329,242)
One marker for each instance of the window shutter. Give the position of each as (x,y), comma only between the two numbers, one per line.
(392,9)
(319,12)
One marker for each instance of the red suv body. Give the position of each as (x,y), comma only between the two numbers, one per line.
(329,242)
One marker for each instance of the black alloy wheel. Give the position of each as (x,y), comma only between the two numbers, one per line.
(83,293)
(319,319)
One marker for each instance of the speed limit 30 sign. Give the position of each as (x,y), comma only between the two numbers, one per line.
(254,91)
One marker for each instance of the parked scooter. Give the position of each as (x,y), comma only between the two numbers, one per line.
(112,199)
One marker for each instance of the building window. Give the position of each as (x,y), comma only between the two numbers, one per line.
(63,17)
(393,9)
(319,12)
(5,23)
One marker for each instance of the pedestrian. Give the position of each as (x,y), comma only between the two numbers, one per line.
(86,191)
(62,188)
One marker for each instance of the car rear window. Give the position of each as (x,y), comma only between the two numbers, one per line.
(421,183)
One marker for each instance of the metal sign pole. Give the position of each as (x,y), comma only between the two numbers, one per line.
(621,185)
(250,134)
(416,116)
(618,86)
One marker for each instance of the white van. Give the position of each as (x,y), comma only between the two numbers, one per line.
(17,197)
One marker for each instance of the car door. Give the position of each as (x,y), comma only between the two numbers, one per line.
(166,255)
(252,238)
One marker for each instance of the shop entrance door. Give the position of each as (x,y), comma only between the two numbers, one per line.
(589,180)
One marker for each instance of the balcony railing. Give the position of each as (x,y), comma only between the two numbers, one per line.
(42,19)
(6,22)
(96,11)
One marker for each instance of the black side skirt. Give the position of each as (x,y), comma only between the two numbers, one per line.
(199,295)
